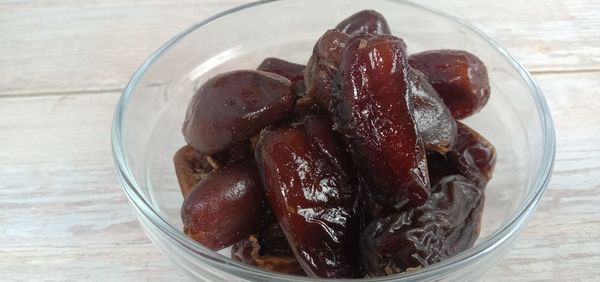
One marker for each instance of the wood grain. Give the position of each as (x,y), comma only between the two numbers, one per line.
(76,46)
(562,242)
(64,217)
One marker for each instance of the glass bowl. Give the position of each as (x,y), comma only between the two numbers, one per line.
(147,123)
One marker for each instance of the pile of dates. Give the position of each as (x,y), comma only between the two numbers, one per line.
(353,165)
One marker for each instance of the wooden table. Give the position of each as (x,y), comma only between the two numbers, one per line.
(64,63)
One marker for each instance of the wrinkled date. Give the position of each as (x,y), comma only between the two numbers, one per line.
(460,78)
(435,124)
(190,167)
(226,206)
(291,71)
(268,250)
(468,224)
(311,198)
(234,106)
(445,225)
(373,111)
(473,156)
(323,66)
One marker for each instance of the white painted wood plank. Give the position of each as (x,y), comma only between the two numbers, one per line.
(74,46)
(562,242)
(63,216)
(69,46)
(545,35)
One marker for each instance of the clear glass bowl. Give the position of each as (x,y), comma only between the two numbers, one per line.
(147,123)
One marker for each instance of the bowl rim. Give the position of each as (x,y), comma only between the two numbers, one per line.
(522,215)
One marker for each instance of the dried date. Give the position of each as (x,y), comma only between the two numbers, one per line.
(374,113)
(435,124)
(226,206)
(310,196)
(367,21)
(444,226)
(234,106)
(459,77)
(323,66)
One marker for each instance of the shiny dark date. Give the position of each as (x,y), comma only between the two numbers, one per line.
(435,124)
(460,78)
(367,21)
(226,206)
(291,71)
(473,151)
(374,112)
(234,106)
(444,226)
(311,198)
(323,66)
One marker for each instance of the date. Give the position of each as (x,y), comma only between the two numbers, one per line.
(459,77)
(323,66)
(234,106)
(367,21)
(444,226)
(435,124)
(374,113)
(310,196)
(226,206)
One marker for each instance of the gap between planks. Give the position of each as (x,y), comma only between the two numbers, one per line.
(59,93)
(34,94)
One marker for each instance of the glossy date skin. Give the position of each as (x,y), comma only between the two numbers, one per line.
(459,77)
(367,21)
(445,225)
(473,156)
(234,106)
(310,196)
(374,113)
(291,71)
(268,250)
(226,206)
(435,124)
(323,66)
